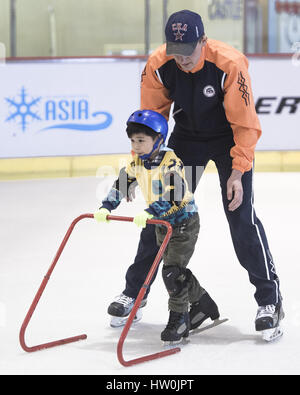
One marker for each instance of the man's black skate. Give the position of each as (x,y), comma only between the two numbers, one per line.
(177,328)
(121,308)
(203,309)
(268,319)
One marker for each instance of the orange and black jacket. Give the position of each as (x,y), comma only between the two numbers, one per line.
(213,100)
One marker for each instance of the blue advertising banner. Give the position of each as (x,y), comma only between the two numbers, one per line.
(63,108)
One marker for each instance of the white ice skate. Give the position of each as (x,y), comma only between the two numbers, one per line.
(116,322)
(121,308)
(268,321)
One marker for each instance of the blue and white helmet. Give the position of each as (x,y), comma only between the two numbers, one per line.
(152,119)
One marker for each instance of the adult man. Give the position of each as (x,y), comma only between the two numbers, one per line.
(215,119)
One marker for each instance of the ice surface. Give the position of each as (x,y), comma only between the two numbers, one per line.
(34,216)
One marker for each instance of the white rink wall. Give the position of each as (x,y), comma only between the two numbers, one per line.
(80,106)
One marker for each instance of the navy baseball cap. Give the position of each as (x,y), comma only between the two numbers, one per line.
(183,31)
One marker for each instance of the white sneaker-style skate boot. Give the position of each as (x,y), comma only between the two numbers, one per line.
(121,308)
(267,321)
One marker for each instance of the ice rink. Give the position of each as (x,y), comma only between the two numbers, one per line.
(34,216)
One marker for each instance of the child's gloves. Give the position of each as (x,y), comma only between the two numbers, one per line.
(100,215)
(141,218)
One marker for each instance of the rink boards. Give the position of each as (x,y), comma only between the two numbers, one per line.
(67,117)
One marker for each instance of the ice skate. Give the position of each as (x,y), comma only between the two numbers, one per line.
(203,309)
(121,308)
(267,321)
(177,328)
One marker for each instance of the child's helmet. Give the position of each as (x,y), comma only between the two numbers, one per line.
(154,120)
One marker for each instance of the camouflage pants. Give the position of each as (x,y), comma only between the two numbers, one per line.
(178,253)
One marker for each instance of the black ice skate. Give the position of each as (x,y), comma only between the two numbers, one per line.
(203,309)
(121,308)
(267,321)
(176,329)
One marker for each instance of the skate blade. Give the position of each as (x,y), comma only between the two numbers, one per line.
(117,322)
(172,344)
(204,328)
(269,335)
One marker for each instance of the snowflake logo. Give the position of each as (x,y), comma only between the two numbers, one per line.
(22,109)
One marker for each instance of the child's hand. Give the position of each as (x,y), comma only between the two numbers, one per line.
(100,215)
(141,218)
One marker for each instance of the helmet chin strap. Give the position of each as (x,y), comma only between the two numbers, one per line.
(155,146)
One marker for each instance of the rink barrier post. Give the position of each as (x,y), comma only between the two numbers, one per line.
(133,311)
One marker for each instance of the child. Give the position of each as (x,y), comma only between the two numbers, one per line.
(160,175)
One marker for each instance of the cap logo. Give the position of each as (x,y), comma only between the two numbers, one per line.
(178,29)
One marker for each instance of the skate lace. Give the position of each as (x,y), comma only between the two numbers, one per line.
(173,319)
(268,310)
(124,300)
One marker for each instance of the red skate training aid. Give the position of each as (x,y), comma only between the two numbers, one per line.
(133,311)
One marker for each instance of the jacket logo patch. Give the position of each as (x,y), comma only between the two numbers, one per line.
(209,91)
(243,88)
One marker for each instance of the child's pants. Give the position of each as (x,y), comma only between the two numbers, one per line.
(176,258)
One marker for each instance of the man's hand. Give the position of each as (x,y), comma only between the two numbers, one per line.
(235,190)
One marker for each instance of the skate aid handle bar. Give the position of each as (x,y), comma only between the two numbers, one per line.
(133,311)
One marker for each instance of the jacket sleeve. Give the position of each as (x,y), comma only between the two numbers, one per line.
(241,114)
(119,190)
(154,96)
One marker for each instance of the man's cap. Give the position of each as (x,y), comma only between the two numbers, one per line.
(183,30)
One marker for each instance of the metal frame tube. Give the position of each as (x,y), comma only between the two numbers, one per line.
(147,27)
(132,314)
(13,29)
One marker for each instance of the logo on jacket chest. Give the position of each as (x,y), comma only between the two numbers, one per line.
(209,91)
